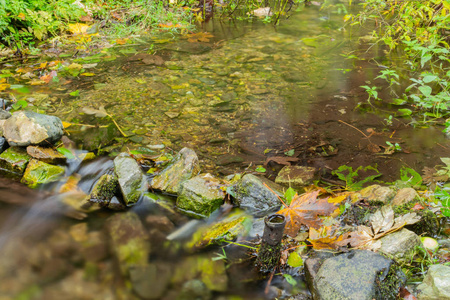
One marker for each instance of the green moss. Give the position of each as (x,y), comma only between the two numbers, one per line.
(387,285)
(38,173)
(14,160)
(268,257)
(428,224)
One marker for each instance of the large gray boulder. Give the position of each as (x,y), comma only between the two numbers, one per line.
(356,275)
(132,181)
(29,128)
(436,284)
(252,195)
(200,196)
(184,166)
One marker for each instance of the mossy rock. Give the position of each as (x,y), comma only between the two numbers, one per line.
(14,160)
(234,225)
(38,172)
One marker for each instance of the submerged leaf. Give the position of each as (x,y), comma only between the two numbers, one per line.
(99,113)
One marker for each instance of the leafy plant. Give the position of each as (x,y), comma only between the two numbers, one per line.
(348,175)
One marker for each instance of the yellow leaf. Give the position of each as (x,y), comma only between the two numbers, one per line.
(75,66)
(4,86)
(87,74)
(66,124)
(37,82)
(21,16)
(2,80)
(78,28)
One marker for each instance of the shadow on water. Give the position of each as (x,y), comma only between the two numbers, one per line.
(245,94)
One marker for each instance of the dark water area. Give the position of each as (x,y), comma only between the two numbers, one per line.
(238,96)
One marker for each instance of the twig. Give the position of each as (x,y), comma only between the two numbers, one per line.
(275,194)
(354,128)
(117,125)
(266,290)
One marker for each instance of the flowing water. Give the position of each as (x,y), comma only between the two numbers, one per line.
(238,94)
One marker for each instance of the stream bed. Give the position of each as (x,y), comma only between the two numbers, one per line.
(243,96)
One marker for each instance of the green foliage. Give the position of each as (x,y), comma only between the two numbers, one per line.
(409,178)
(289,195)
(24,21)
(349,176)
(418,30)
(442,194)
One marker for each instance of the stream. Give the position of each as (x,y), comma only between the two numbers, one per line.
(241,95)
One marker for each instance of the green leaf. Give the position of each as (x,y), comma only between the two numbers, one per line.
(289,195)
(429,78)
(425,58)
(290,152)
(425,90)
(290,279)
(21,104)
(260,169)
(403,112)
(75,93)
(66,152)
(295,260)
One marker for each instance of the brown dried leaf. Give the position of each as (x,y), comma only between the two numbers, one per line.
(281,160)
(305,209)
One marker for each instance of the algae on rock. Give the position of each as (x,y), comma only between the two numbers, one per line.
(184,166)
(38,172)
(132,181)
(14,161)
(200,196)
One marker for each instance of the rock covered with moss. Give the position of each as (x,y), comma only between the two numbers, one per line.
(296,176)
(131,179)
(29,128)
(38,172)
(200,196)
(128,241)
(14,160)
(184,166)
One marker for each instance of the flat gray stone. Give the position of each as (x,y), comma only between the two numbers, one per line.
(436,284)
(404,196)
(132,181)
(350,276)
(399,245)
(296,176)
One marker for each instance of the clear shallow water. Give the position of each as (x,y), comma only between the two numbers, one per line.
(250,92)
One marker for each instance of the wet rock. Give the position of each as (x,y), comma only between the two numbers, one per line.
(228,159)
(160,204)
(436,284)
(184,166)
(211,272)
(161,223)
(14,160)
(194,289)
(352,275)
(94,247)
(404,196)
(254,197)
(104,193)
(95,138)
(200,196)
(234,225)
(296,176)
(3,144)
(38,172)
(375,193)
(400,245)
(29,128)
(4,114)
(132,181)
(129,243)
(47,155)
(151,281)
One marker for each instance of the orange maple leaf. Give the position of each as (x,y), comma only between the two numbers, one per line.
(305,209)
(324,238)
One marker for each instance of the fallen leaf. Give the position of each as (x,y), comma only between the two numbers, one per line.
(323,238)
(305,209)
(281,160)
(99,113)
(78,28)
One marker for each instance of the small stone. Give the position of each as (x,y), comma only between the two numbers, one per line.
(296,176)
(14,160)
(254,197)
(47,155)
(375,193)
(436,284)
(4,114)
(150,281)
(200,196)
(400,245)
(404,196)
(3,144)
(132,181)
(29,128)
(38,172)
(184,166)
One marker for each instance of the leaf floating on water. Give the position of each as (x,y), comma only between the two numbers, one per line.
(99,113)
